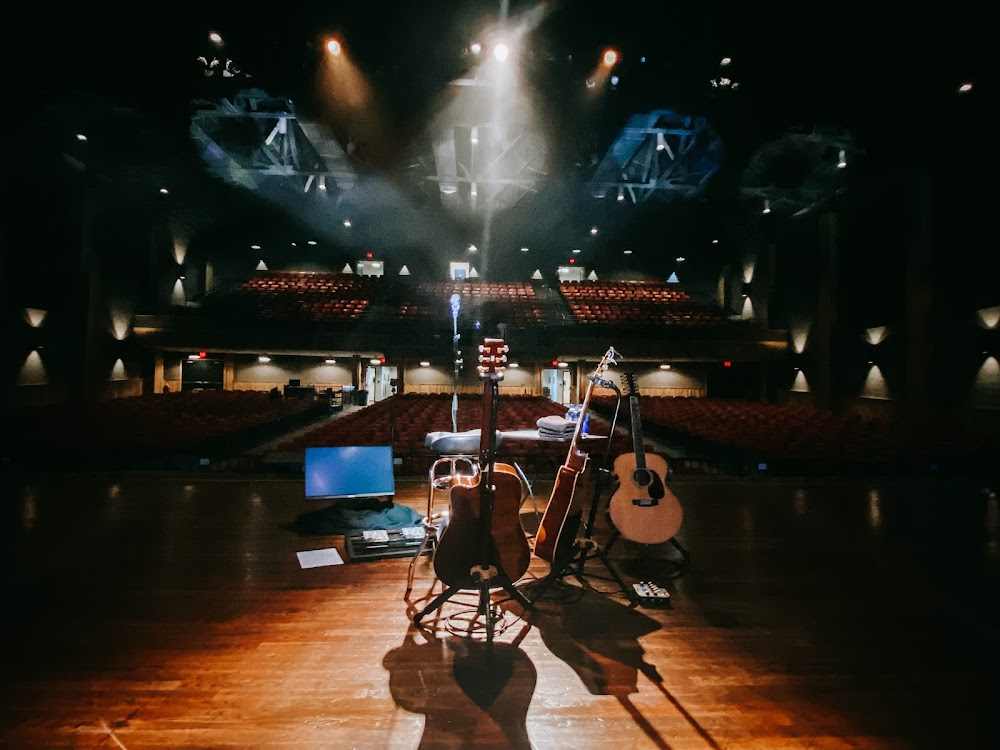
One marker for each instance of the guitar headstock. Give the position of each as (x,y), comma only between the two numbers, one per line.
(631,389)
(606,361)
(492,356)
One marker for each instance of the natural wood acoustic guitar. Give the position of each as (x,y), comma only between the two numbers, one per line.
(493,497)
(642,508)
(562,517)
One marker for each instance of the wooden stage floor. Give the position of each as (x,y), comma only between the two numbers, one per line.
(164,611)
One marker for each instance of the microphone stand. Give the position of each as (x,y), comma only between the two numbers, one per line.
(456,302)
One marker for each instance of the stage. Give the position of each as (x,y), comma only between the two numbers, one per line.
(161,611)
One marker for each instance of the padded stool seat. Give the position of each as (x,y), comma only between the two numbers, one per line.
(456,443)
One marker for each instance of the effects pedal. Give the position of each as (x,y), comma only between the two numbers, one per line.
(651,595)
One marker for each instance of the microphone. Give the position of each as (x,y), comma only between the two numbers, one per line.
(601,382)
(456,300)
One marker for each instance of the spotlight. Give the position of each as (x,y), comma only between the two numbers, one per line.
(475,48)
(334,48)
(767,206)
(610,57)
(500,52)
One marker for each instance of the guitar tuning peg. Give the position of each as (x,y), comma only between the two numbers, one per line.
(482,348)
(506,348)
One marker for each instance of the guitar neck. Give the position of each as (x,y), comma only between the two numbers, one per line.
(637,440)
(579,422)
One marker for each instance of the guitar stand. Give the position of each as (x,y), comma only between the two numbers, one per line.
(486,576)
(681,564)
(586,547)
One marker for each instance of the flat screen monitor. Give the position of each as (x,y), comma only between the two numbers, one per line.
(295,382)
(349,471)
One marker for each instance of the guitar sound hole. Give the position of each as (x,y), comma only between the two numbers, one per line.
(642,477)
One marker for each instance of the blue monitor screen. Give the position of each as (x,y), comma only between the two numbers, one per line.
(349,471)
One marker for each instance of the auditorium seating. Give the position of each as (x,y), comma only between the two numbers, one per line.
(311,295)
(152,431)
(635,302)
(806,439)
(514,303)
(405,419)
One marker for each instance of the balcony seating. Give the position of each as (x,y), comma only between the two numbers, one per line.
(311,295)
(514,303)
(635,302)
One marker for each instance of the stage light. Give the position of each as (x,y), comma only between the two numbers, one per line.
(330,361)
(842,159)
(164,191)
(614,80)
(334,48)
(664,367)
(610,57)
(725,61)
(425,363)
(727,363)
(215,37)
(621,194)
(347,223)
(501,51)
(593,231)
(472,248)
(81,137)
(965,88)
(576,250)
(524,249)
(263,360)
(475,48)
(202,355)
(767,206)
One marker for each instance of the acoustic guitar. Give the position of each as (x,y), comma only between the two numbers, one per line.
(484,524)
(558,525)
(642,508)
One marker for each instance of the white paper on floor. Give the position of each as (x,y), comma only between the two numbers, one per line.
(317,558)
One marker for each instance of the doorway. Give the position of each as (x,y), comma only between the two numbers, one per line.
(556,384)
(380,382)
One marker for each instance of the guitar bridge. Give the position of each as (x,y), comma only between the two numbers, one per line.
(645,502)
